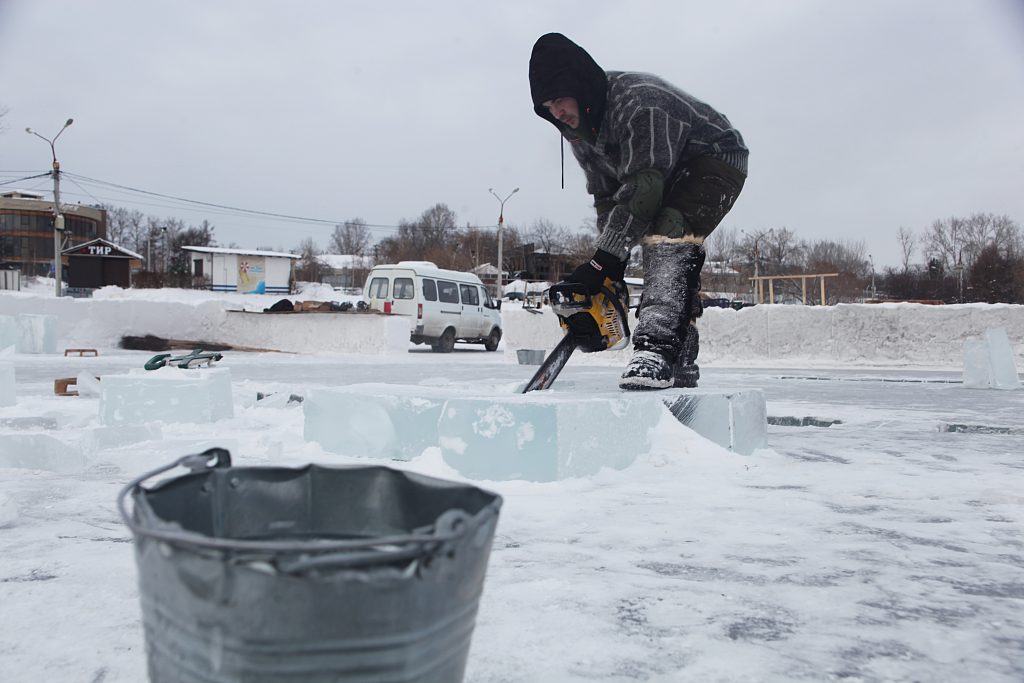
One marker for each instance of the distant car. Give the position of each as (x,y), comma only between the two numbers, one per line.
(737,305)
(718,302)
(515,296)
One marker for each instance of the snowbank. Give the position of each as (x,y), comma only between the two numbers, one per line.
(860,334)
(847,334)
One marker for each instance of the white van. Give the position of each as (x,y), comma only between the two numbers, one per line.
(444,306)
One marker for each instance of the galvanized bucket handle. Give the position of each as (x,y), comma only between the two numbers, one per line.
(450,526)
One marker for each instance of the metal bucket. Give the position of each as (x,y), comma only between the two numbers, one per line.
(530,356)
(317,574)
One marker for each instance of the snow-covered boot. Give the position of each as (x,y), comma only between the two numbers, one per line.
(671,269)
(686,372)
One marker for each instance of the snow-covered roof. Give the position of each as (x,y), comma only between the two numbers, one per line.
(108,243)
(240,252)
(21,194)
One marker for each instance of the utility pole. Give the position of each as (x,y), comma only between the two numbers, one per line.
(501,221)
(166,250)
(58,217)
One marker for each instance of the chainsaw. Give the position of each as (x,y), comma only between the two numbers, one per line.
(590,322)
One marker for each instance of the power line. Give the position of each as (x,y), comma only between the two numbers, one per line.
(270,214)
(31,177)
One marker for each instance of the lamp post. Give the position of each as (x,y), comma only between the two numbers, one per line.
(58,217)
(501,222)
(874,292)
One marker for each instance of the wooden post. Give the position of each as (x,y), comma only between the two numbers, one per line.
(803,286)
(822,290)
(771,290)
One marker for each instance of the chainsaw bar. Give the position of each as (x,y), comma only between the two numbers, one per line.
(552,365)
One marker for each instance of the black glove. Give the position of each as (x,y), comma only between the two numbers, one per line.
(592,273)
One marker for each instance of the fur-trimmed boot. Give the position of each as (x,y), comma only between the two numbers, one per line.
(671,269)
(686,372)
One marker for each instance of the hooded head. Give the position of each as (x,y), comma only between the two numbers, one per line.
(561,68)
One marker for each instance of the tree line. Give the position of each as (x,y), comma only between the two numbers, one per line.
(956,259)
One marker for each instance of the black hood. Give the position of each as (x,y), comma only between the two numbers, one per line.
(561,68)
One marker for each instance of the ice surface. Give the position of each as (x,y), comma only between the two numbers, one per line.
(374,420)
(988,362)
(166,395)
(736,420)
(39,452)
(541,438)
(7,391)
(36,333)
(8,511)
(102,438)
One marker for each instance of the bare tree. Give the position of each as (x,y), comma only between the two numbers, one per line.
(351,237)
(723,244)
(309,267)
(908,244)
(548,237)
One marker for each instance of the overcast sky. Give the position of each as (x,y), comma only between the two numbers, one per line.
(861,117)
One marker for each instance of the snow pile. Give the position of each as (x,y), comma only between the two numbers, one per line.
(860,334)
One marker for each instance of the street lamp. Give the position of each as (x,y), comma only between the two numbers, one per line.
(501,221)
(58,218)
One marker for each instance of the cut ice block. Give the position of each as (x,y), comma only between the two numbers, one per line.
(36,333)
(1004,371)
(7,394)
(166,395)
(8,332)
(735,420)
(39,452)
(374,420)
(526,436)
(988,362)
(977,368)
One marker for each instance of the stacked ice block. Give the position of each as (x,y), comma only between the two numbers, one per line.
(36,333)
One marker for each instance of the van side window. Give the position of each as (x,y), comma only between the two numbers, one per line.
(429,290)
(448,292)
(469,295)
(485,298)
(379,288)
(404,288)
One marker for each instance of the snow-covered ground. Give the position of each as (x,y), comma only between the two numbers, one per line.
(882,548)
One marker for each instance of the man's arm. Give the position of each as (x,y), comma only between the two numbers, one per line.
(651,147)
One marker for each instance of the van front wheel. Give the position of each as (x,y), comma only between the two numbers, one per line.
(446,342)
(491,343)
